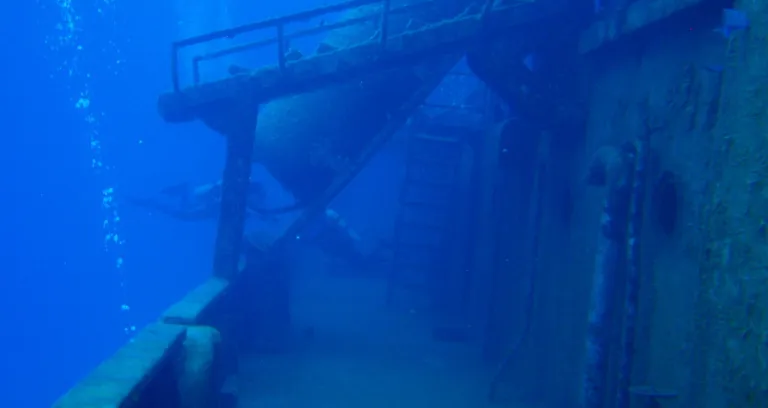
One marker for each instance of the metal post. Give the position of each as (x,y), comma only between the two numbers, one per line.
(631,297)
(196,70)
(234,195)
(175,67)
(608,265)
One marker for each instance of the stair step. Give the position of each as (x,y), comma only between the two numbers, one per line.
(433,160)
(418,253)
(419,245)
(420,250)
(428,191)
(412,277)
(413,264)
(424,214)
(409,267)
(409,274)
(458,73)
(418,173)
(457,109)
(441,205)
(429,182)
(418,286)
(438,186)
(435,137)
(422,226)
(450,133)
(434,146)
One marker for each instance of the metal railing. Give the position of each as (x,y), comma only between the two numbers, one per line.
(281,38)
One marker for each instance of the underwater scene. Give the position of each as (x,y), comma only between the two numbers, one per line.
(385,204)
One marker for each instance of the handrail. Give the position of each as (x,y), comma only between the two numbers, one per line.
(122,380)
(323,68)
(302,33)
(278,24)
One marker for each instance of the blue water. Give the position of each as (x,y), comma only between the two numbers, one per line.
(64,302)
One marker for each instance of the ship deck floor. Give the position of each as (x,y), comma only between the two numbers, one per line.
(363,354)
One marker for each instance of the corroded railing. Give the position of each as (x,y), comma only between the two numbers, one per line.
(386,51)
(281,39)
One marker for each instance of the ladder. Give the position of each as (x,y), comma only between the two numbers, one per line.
(429,201)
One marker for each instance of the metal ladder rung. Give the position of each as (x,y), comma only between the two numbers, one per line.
(419,251)
(429,183)
(411,285)
(437,195)
(457,130)
(423,203)
(422,226)
(412,271)
(419,245)
(424,137)
(431,160)
(413,266)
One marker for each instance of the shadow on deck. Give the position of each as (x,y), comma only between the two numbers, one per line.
(363,354)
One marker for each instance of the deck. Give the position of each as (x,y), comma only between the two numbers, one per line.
(367,356)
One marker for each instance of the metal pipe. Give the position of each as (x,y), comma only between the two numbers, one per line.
(538,196)
(608,266)
(632,291)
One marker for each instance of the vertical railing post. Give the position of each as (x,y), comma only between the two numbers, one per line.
(384,29)
(196,70)
(175,67)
